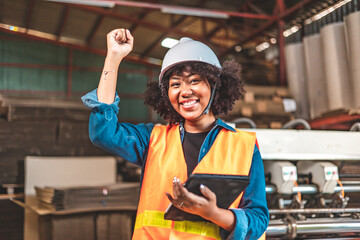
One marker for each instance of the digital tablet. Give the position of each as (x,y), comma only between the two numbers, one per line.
(226,187)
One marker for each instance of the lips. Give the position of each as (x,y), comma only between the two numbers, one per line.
(189,104)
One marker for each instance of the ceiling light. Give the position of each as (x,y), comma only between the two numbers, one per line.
(169,42)
(261,47)
(13,28)
(238,48)
(290,31)
(192,12)
(109,4)
(273,40)
(326,11)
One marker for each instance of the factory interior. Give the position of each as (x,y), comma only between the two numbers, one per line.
(300,60)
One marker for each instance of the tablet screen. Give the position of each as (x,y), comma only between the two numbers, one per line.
(226,187)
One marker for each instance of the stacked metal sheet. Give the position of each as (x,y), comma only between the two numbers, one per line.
(122,194)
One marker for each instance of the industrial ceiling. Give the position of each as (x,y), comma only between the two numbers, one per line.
(221,24)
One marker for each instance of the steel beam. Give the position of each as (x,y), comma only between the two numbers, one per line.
(77,47)
(62,23)
(141,16)
(154,26)
(155,43)
(30,11)
(218,27)
(190,9)
(281,45)
(255,8)
(94,29)
(174,24)
(268,24)
(203,27)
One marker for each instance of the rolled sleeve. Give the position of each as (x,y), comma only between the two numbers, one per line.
(252,216)
(126,140)
(90,100)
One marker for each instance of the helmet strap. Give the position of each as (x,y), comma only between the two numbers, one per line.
(207,109)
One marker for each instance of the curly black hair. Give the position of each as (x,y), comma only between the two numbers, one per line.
(229,88)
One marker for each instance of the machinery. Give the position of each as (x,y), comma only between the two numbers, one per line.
(312,183)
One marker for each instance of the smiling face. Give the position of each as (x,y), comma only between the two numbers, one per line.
(189,94)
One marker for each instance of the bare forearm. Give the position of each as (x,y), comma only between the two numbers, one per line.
(119,44)
(108,79)
(224,218)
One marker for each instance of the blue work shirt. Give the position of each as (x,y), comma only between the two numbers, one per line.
(131,142)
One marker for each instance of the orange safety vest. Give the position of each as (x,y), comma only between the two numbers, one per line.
(231,153)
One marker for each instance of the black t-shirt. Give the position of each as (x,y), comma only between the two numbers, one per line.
(191,146)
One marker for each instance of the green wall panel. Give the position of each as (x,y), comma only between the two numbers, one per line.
(33,79)
(84,81)
(84,59)
(21,51)
(134,83)
(133,109)
(39,78)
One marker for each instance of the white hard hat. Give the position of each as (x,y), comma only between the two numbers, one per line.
(188,50)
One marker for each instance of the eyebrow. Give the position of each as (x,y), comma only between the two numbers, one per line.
(177,77)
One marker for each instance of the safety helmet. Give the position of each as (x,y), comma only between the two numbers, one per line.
(188,50)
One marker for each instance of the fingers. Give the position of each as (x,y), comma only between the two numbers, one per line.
(130,38)
(181,194)
(177,203)
(121,35)
(208,194)
(169,197)
(176,187)
(180,198)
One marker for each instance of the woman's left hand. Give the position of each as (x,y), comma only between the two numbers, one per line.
(204,206)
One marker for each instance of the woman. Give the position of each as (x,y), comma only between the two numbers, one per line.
(192,90)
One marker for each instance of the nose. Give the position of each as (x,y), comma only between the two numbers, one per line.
(185,89)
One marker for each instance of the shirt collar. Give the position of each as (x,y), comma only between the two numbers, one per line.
(218,123)
(221,123)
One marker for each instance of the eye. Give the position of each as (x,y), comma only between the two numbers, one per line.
(195,81)
(174,84)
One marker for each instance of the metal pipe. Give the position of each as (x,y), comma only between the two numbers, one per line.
(328,228)
(248,121)
(355,127)
(312,189)
(269,189)
(305,189)
(276,230)
(313,226)
(297,122)
(315,210)
(348,188)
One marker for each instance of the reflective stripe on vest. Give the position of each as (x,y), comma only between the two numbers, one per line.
(156,219)
(231,153)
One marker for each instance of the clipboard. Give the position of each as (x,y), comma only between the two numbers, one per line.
(226,187)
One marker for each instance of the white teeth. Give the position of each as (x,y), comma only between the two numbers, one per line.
(189,103)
